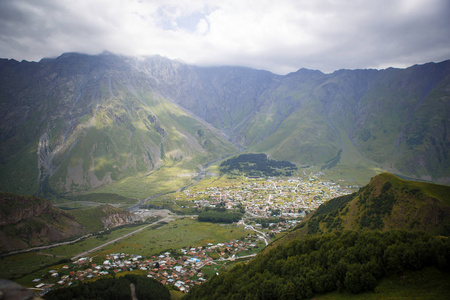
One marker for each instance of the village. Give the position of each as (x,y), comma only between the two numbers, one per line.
(282,197)
(181,269)
(286,199)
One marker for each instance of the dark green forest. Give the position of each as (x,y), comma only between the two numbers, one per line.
(351,261)
(220,215)
(113,288)
(328,213)
(257,165)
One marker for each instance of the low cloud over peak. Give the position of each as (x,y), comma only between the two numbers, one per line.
(280,36)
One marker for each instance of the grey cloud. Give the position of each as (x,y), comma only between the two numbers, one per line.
(320,34)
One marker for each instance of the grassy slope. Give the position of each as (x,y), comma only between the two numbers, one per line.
(429,284)
(383,120)
(391,119)
(307,136)
(138,143)
(184,151)
(420,206)
(121,130)
(80,200)
(91,218)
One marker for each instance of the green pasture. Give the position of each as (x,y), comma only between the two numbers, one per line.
(176,235)
(163,180)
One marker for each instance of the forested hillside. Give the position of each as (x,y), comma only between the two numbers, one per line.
(113,288)
(387,202)
(351,261)
(257,165)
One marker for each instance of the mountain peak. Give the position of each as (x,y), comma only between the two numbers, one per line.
(65,115)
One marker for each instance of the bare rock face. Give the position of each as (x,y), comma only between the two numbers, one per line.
(116,217)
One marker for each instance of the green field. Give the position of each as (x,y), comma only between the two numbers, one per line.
(83,200)
(15,266)
(152,241)
(175,235)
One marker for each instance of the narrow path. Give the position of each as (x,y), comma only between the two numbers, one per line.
(237,257)
(117,239)
(261,234)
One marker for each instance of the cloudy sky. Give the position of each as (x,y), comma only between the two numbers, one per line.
(281,36)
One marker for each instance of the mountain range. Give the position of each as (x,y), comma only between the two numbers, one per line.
(140,126)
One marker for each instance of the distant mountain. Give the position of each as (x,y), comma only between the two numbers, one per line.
(349,244)
(79,122)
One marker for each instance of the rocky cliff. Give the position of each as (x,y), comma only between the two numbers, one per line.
(113,217)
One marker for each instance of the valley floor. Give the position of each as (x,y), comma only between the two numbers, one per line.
(186,251)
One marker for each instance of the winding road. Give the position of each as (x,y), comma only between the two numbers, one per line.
(261,234)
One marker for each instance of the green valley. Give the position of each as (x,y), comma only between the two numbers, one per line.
(333,238)
(224,182)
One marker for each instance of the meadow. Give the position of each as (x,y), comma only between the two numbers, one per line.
(175,235)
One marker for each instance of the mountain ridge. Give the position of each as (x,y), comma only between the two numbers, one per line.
(81,122)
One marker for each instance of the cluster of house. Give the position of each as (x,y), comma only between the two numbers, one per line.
(290,197)
(181,269)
